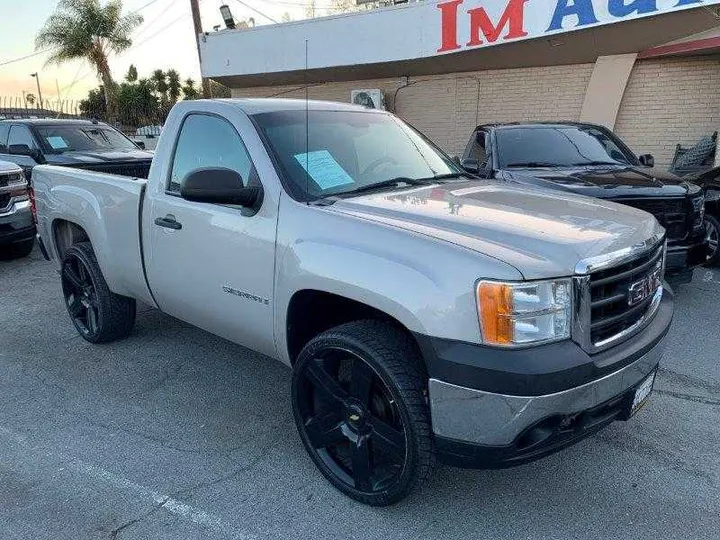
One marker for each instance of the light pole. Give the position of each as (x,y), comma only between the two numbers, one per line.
(37,80)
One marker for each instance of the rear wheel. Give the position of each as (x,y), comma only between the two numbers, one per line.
(712,225)
(359,406)
(98,314)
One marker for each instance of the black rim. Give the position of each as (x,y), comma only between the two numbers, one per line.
(712,239)
(351,421)
(80,296)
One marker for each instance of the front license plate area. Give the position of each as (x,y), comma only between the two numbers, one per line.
(642,393)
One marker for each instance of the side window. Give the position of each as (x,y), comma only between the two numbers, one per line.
(4,130)
(476,148)
(208,141)
(21,135)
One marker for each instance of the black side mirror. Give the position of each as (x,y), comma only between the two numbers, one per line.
(647,160)
(25,150)
(220,186)
(140,145)
(471,165)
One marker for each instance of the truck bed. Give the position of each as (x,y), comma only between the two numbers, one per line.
(105,206)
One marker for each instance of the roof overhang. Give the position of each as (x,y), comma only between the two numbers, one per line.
(435,37)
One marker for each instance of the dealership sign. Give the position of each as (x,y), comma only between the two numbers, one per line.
(413,31)
(488,22)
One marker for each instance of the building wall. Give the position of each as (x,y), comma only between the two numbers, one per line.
(670,101)
(666,102)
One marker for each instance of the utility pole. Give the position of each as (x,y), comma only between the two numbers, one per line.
(37,80)
(197,24)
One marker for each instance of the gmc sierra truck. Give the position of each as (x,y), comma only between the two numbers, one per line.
(425,313)
(17,230)
(591,160)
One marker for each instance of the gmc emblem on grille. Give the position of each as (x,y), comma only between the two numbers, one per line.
(644,288)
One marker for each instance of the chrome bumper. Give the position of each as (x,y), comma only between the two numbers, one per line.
(489,419)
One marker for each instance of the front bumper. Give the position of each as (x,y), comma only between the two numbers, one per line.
(683,258)
(16,224)
(519,405)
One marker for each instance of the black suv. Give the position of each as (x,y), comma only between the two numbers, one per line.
(591,160)
(85,144)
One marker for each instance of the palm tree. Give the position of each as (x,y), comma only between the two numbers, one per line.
(173,85)
(161,87)
(189,90)
(84,29)
(30,98)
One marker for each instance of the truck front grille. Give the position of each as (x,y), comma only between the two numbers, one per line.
(671,213)
(4,201)
(621,297)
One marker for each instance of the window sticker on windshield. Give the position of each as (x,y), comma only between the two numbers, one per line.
(57,143)
(323,169)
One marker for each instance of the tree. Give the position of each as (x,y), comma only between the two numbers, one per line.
(189,90)
(138,105)
(173,85)
(94,106)
(161,87)
(132,74)
(84,29)
(286,17)
(30,99)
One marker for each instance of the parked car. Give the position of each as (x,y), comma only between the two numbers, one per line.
(424,312)
(17,231)
(83,144)
(709,180)
(591,160)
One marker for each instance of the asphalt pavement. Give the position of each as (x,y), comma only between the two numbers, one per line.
(176,434)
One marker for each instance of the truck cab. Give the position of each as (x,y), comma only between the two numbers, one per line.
(591,160)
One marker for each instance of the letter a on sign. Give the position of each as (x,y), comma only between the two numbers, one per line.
(512,17)
(583,9)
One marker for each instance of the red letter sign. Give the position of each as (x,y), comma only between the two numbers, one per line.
(448,14)
(512,17)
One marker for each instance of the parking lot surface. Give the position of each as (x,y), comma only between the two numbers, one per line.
(176,434)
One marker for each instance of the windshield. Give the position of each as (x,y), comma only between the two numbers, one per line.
(559,146)
(343,151)
(83,137)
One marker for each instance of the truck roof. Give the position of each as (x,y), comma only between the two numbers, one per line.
(52,121)
(264,105)
(538,124)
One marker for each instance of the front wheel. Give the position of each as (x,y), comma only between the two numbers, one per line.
(712,228)
(98,314)
(358,402)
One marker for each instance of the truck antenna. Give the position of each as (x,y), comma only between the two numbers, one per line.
(307,125)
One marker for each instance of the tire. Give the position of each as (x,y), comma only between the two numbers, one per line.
(98,314)
(713,235)
(358,399)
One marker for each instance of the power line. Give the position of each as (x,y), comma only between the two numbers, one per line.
(36,53)
(256,11)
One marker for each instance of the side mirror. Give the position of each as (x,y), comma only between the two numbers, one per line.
(220,186)
(25,150)
(140,145)
(647,160)
(470,165)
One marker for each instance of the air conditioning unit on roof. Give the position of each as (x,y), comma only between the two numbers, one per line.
(371,98)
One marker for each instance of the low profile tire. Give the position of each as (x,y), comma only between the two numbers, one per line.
(359,405)
(713,234)
(98,314)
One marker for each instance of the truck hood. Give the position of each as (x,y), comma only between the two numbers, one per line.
(87,157)
(606,182)
(541,233)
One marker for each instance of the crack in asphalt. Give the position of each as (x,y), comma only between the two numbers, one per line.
(115,533)
(689,397)
(688,380)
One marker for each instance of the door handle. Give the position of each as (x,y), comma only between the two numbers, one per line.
(168,222)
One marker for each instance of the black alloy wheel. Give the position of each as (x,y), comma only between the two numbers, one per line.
(80,296)
(712,235)
(365,429)
(98,314)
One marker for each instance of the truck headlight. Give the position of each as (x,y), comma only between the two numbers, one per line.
(524,312)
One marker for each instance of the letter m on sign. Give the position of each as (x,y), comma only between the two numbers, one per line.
(513,18)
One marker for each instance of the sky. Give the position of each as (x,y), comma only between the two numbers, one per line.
(165,40)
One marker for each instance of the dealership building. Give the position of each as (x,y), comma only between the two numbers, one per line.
(648,69)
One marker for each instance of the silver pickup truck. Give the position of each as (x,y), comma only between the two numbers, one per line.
(426,313)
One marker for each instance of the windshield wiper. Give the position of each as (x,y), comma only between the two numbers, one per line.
(590,163)
(534,164)
(392,182)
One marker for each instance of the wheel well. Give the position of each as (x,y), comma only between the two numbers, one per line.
(311,312)
(66,234)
